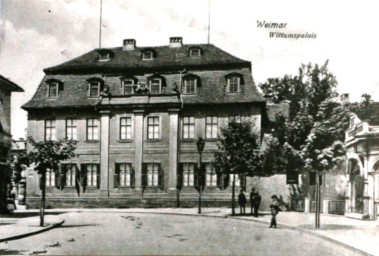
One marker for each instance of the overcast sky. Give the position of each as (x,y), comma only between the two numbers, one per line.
(36,34)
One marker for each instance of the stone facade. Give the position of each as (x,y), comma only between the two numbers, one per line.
(138,148)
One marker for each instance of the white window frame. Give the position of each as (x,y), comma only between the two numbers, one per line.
(71,129)
(71,172)
(49,85)
(151,83)
(91,172)
(188,128)
(50,178)
(210,175)
(50,129)
(238,181)
(91,84)
(124,135)
(104,56)
(152,174)
(212,127)
(154,125)
(193,50)
(125,174)
(186,81)
(144,57)
(238,83)
(189,174)
(129,85)
(93,133)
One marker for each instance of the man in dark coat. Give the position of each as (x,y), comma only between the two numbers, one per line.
(251,200)
(256,203)
(242,202)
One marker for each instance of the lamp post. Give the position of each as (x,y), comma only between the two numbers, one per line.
(200,148)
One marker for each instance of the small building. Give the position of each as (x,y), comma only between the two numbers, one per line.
(362,143)
(6,89)
(137,113)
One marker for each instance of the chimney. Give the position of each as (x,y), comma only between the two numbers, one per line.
(345,99)
(129,44)
(176,42)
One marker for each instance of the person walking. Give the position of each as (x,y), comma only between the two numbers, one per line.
(274,207)
(252,200)
(242,202)
(256,203)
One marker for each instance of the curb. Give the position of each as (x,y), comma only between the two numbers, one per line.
(31,233)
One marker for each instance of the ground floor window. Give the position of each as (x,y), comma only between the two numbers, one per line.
(50,178)
(210,175)
(124,176)
(92,175)
(237,181)
(71,172)
(188,174)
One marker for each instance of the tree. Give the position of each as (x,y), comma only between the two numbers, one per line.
(46,155)
(238,153)
(311,137)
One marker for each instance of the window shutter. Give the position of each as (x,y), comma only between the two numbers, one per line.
(226,180)
(144,175)
(196,177)
(98,176)
(292,177)
(77,180)
(161,177)
(132,178)
(202,175)
(60,87)
(57,178)
(116,176)
(179,182)
(62,176)
(83,176)
(220,180)
(243,181)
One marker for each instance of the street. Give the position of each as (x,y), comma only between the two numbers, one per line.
(96,233)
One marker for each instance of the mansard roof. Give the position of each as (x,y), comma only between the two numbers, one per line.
(166,57)
(9,85)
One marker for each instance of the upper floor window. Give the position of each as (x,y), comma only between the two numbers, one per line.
(155,86)
(148,55)
(190,84)
(211,127)
(94,87)
(105,55)
(50,130)
(53,87)
(71,131)
(195,52)
(153,129)
(189,127)
(92,129)
(234,82)
(128,86)
(125,128)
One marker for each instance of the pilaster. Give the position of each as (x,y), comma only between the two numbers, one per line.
(138,150)
(104,153)
(173,148)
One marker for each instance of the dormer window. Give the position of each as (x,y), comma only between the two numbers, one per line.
(190,84)
(94,87)
(156,86)
(53,87)
(128,86)
(195,52)
(105,55)
(148,55)
(234,82)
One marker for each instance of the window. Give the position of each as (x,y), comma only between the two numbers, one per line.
(71,172)
(52,91)
(50,178)
(211,127)
(153,128)
(188,127)
(147,55)
(155,86)
(125,175)
(94,89)
(236,119)
(210,175)
(104,56)
(128,86)
(153,174)
(188,174)
(196,52)
(71,131)
(50,130)
(190,85)
(234,84)
(92,129)
(125,128)
(92,175)
(237,181)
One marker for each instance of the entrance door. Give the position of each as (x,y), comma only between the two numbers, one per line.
(358,194)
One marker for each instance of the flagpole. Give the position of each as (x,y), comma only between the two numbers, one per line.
(100,23)
(209,20)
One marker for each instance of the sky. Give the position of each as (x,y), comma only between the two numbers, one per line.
(36,34)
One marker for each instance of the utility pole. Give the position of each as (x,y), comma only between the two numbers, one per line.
(100,23)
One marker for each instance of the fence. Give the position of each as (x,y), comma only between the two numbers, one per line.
(337,207)
(313,207)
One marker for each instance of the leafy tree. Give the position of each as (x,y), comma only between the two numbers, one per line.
(311,137)
(45,155)
(239,153)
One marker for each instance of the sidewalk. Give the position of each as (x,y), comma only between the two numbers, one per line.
(358,234)
(16,227)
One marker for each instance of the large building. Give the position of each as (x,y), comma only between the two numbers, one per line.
(362,143)
(6,89)
(137,113)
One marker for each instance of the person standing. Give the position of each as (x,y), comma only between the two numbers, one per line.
(256,203)
(274,207)
(242,202)
(252,200)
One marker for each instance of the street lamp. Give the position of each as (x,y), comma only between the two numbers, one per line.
(200,148)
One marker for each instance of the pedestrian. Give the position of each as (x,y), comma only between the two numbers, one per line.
(242,202)
(274,207)
(251,200)
(256,203)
